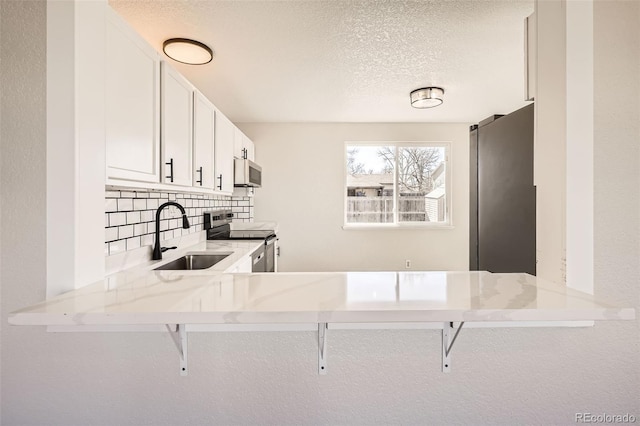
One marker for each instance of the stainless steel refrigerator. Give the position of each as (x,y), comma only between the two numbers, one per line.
(502,226)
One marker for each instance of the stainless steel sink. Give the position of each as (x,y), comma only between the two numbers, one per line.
(192,262)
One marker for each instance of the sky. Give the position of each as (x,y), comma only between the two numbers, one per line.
(368,155)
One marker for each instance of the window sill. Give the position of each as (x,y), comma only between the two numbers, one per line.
(396,226)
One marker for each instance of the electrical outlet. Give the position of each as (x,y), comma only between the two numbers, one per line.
(407,264)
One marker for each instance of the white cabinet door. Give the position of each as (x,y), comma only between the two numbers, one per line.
(132,108)
(203,142)
(224,153)
(238,146)
(242,266)
(248,145)
(176,128)
(242,145)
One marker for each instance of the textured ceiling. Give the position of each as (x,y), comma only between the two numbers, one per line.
(346,61)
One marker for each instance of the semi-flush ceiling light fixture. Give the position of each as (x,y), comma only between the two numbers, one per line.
(187,51)
(427,97)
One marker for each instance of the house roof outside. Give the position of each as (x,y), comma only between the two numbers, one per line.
(372,180)
(436,193)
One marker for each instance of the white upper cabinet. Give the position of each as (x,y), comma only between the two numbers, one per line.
(225,134)
(242,145)
(237,143)
(250,147)
(159,128)
(176,128)
(203,142)
(132,109)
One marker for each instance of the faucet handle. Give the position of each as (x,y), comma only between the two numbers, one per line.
(163,249)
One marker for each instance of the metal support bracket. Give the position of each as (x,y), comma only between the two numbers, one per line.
(447,344)
(322,348)
(179,338)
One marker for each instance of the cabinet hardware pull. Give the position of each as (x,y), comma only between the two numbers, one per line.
(220,185)
(170,164)
(200,171)
(244,153)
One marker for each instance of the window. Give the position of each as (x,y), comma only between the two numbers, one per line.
(397,184)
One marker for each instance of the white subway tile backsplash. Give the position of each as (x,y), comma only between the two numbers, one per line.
(125,204)
(140,204)
(125,232)
(130,216)
(117,219)
(110,234)
(133,217)
(139,229)
(147,240)
(146,216)
(133,243)
(117,247)
(110,205)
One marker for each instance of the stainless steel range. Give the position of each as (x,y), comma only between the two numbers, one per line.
(218,226)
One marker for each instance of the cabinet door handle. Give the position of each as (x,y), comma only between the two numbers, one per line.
(170,164)
(220,179)
(200,171)
(244,153)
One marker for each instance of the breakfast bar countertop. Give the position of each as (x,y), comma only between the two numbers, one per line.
(142,296)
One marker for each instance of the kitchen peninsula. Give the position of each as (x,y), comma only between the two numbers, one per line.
(182,301)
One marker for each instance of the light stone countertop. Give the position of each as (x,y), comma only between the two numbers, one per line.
(143,296)
(254,226)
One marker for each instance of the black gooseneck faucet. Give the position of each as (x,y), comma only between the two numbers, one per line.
(157,250)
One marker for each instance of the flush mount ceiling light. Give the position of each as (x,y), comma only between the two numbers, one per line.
(427,97)
(187,51)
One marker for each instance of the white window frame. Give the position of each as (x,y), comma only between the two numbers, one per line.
(446,224)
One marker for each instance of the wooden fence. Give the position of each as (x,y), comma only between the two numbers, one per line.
(380,209)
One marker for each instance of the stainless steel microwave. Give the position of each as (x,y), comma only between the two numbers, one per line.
(247,173)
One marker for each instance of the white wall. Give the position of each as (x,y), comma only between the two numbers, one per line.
(516,376)
(579,166)
(303,189)
(550,140)
(76,42)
